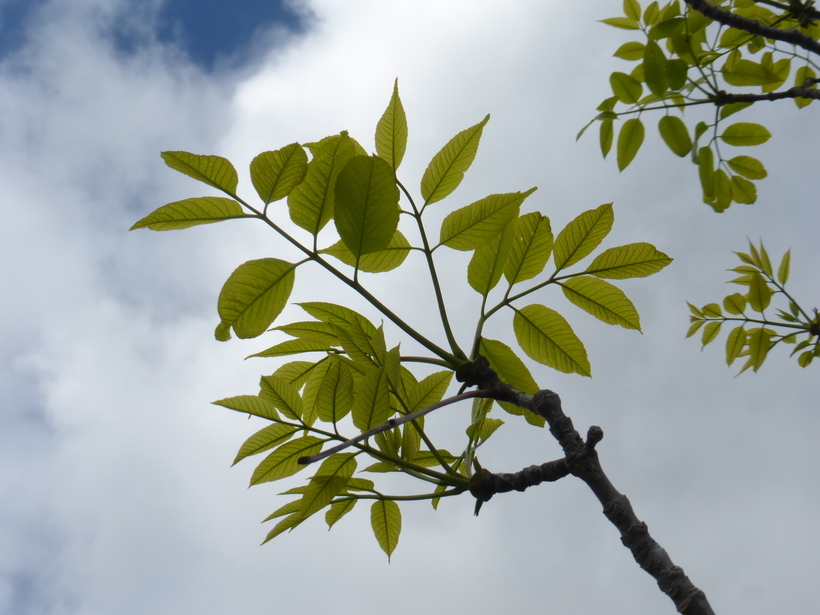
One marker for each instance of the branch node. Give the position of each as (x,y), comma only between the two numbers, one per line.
(594,435)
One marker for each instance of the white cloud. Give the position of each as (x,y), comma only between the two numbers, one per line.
(118,497)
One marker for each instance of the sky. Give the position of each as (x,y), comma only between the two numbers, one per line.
(116,491)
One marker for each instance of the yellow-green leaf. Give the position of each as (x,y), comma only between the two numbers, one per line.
(801,76)
(288,523)
(783,270)
(759,342)
(675,134)
(391,131)
(603,300)
(191,212)
(760,293)
(743,134)
(735,342)
(625,23)
(632,9)
(367,205)
(335,395)
(655,65)
(606,135)
(582,235)
(710,331)
(338,510)
(476,224)
(512,370)
(385,518)
(626,88)
(250,404)
(630,51)
(488,262)
(282,394)
(265,439)
(629,141)
(327,483)
(297,346)
(447,168)
(735,304)
(743,191)
(693,328)
(212,170)
(531,248)
(634,260)
(380,261)
(428,391)
(282,462)
(746,72)
(546,337)
(748,167)
(371,402)
(254,295)
(311,202)
(275,174)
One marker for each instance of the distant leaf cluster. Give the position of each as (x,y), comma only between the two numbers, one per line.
(347,207)
(686,60)
(757,335)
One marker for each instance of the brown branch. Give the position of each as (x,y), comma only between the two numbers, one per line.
(754,27)
(725,98)
(485,484)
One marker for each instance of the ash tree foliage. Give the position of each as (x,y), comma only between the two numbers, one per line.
(697,60)
(346,393)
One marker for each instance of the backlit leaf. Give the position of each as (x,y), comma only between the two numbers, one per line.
(391,131)
(606,135)
(488,261)
(748,167)
(546,337)
(675,134)
(476,224)
(625,23)
(371,402)
(632,9)
(335,396)
(655,69)
(630,51)
(512,370)
(275,174)
(744,134)
(367,204)
(288,523)
(629,141)
(265,439)
(603,300)
(743,191)
(783,270)
(626,88)
(290,347)
(735,343)
(710,331)
(254,295)
(380,261)
(759,342)
(531,248)
(634,260)
(746,72)
(327,483)
(250,404)
(447,168)
(735,304)
(385,518)
(283,395)
(338,510)
(582,235)
(428,391)
(760,293)
(191,212)
(212,170)
(282,462)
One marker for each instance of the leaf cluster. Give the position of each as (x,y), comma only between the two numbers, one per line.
(686,60)
(757,335)
(346,207)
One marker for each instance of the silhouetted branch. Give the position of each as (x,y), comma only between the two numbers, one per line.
(754,27)
(725,98)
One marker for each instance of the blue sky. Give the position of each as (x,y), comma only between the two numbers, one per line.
(116,491)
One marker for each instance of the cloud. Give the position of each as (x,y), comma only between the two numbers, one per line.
(118,496)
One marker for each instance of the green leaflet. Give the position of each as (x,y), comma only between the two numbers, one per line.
(743,134)
(310,394)
(287,509)
(191,212)
(297,346)
(631,51)
(606,135)
(582,236)
(632,9)
(546,337)
(212,170)
(380,261)
(385,518)
(288,523)
(606,302)
(327,483)
(320,332)
(513,371)
(710,331)
(531,248)
(760,294)
(624,23)
(253,296)
(634,260)
(338,510)
(477,224)
(282,462)
(367,205)
(743,191)
(746,72)
(447,168)
(748,167)
(675,134)
(625,87)
(265,439)
(391,131)
(629,141)
(338,315)
(655,65)
(250,404)
(371,402)
(283,395)
(276,174)
(311,202)
(783,269)
(335,396)
(735,342)
(735,304)
(428,391)
(759,342)
(488,261)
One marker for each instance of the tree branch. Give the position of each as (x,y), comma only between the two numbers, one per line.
(725,98)
(754,27)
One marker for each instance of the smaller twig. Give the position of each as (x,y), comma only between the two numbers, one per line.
(390,424)
(725,98)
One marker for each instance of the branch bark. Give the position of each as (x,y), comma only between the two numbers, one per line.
(725,98)
(754,27)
